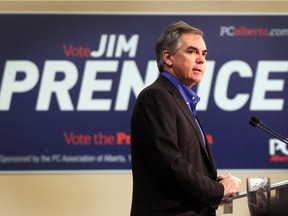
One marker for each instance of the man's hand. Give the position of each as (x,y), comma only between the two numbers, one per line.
(231,185)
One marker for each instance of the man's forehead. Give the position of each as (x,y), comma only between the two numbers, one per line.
(195,40)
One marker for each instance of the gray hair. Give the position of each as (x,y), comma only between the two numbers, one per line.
(170,40)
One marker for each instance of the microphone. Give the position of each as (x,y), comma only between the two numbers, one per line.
(255,122)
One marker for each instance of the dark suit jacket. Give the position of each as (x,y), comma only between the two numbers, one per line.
(173,172)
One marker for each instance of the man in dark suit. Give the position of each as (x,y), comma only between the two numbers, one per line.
(173,169)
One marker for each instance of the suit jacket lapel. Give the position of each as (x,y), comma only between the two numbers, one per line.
(210,156)
(184,107)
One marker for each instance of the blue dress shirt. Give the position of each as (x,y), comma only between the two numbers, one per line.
(190,97)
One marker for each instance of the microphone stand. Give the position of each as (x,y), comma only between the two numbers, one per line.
(255,122)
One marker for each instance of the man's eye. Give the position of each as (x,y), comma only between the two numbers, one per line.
(191,51)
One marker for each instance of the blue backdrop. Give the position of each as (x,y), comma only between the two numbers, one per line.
(68,83)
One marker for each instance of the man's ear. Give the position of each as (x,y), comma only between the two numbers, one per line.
(167,58)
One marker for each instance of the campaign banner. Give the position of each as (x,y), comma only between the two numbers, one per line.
(68,84)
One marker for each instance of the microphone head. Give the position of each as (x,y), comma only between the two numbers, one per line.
(253,123)
(255,119)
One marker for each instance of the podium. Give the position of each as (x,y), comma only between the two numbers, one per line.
(281,194)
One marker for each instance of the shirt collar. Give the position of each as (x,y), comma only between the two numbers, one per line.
(188,94)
